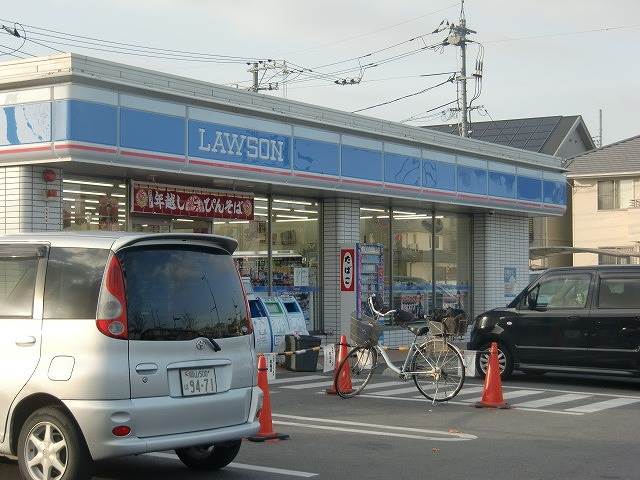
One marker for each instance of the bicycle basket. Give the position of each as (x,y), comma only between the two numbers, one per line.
(436,328)
(365,330)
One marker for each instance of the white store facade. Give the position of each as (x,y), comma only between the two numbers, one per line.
(87,144)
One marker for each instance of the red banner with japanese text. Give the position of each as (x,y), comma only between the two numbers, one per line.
(177,201)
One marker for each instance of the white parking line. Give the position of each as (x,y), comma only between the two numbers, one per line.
(384,384)
(444,436)
(520,393)
(244,466)
(545,402)
(605,404)
(600,394)
(397,391)
(296,379)
(452,402)
(316,384)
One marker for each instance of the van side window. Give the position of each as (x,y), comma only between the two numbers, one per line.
(619,293)
(562,292)
(17,285)
(72,283)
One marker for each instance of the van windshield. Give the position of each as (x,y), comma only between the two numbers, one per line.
(178,293)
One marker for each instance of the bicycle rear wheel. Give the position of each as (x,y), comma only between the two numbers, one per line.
(360,362)
(438,370)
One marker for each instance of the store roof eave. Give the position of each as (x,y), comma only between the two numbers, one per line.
(69,67)
(86,167)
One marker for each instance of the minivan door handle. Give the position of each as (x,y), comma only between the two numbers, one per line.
(146,368)
(573,318)
(25,341)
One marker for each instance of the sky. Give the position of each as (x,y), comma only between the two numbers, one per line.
(535,61)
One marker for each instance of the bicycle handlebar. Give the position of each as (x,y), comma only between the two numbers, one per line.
(373,309)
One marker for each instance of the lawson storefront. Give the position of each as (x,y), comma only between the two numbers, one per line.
(87,144)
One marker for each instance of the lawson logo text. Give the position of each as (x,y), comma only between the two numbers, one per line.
(239,145)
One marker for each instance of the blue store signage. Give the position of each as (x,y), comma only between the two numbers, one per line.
(238,145)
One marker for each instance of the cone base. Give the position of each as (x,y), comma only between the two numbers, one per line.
(500,405)
(332,391)
(270,436)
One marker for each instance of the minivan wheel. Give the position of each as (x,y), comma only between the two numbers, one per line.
(50,447)
(211,457)
(505,360)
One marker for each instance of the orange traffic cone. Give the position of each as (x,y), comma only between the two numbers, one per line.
(345,375)
(266,426)
(492,394)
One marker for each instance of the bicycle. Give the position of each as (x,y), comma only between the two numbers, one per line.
(436,366)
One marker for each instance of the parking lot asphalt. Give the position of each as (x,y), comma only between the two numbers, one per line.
(559,427)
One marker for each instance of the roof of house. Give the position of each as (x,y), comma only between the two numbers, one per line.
(619,157)
(536,134)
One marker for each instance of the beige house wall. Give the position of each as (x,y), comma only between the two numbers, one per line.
(593,228)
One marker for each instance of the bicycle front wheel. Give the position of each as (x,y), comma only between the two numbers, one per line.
(360,363)
(438,370)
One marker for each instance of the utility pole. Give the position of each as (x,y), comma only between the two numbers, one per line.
(458,37)
(262,66)
(598,139)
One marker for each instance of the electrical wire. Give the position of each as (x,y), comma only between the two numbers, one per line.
(374,80)
(562,34)
(80,40)
(372,32)
(449,80)
(15,34)
(422,115)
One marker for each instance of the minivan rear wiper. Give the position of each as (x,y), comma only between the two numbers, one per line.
(216,346)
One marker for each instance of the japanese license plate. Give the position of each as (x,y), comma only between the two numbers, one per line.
(198,381)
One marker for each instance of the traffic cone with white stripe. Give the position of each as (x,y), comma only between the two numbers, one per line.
(492,393)
(266,425)
(344,380)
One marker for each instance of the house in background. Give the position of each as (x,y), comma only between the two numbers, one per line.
(562,136)
(606,203)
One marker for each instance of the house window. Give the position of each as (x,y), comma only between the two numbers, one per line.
(616,194)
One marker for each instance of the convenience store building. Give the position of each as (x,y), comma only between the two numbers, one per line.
(87,144)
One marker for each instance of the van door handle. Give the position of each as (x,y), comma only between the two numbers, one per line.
(25,341)
(573,318)
(146,368)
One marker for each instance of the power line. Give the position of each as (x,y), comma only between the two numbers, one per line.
(422,115)
(449,80)
(374,80)
(81,39)
(562,34)
(372,32)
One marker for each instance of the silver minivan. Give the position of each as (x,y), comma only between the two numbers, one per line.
(116,344)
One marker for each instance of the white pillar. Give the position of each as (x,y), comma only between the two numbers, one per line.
(24,205)
(341,227)
(499,241)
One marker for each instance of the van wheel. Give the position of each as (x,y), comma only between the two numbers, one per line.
(212,457)
(50,447)
(505,360)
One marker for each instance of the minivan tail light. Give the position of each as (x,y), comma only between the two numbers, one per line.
(112,305)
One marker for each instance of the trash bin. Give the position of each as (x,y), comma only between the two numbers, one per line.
(305,362)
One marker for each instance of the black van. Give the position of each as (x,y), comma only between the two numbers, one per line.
(576,319)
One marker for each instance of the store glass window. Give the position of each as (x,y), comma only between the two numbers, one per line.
(295,244)
(374,228)
(252,254)
(453,261)
(412,260)
(93,203)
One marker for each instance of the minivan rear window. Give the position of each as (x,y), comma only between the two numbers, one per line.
(17,286)
(73,280)
(181,293)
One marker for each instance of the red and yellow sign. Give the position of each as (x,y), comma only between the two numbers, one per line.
(190,202)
